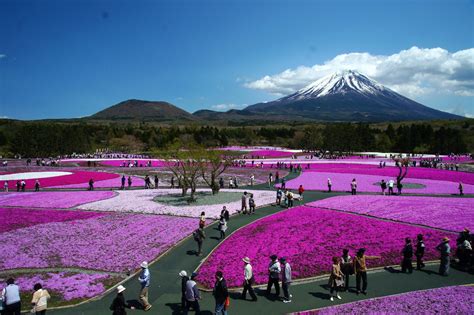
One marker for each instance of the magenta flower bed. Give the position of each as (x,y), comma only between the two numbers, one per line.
(16,218)
(113,242)
(107,183)
(453,214)
(365,183)
(75,178)
(71,286)
(391,171)
(50,199)
(309,237)
(269,153)
(448,300)
(143,162)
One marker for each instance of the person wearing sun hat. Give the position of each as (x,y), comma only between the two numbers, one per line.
(274,270)
(248,280)
(184,279)
(144,279)
(118,305)
(444,250)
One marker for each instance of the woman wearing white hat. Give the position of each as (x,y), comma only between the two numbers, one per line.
(248,280)
(118,305)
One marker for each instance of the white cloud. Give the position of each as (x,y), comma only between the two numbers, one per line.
(226,107)
(412,72)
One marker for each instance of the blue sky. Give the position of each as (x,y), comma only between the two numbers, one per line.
(72,58)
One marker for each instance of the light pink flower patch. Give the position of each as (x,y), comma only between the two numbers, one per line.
(53,199)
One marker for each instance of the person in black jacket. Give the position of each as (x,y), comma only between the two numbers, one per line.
(420,252)
(220,294)
(184,278)
(118,305)
(407,256)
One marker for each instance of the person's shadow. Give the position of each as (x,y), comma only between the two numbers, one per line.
(136,304)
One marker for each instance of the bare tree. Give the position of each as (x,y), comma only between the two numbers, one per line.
(403,164)
(214,164)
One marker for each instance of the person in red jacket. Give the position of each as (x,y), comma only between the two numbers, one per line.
(301,191)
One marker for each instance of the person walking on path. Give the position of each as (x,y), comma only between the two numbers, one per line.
(199,237)
(420,252)
(129,182)
(37,185)
(244,207)
(360,269)
(274,270)
(157,181)
(119,305)
(290,197)
(251,204)
(252,179)
(391,183)
(5,186)
(18,186)
(354,187)
(184,279)
(248,280)
(336,279)
(301,191)
(11,298)
(399,187)
(192,295)
(329,185)
(460,188)
(122,182)
(144,279)
(221,294)
(23,185)
(283,183)
(222,227)
(346,267)
(225,213)
(383,185)
(445,251)
(40,300)
(202,220)
(285,280)
(407,253)
(278,197)
(91,184)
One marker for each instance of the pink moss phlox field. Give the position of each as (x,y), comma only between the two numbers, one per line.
(114,242)
(53,199)
(107,183)
(269,153)
(18,218)
(141,201)
(447,300)
(71,286)
(143,162)
(413,172)
(365,183)
(308,238)
(453,214)
(75,178)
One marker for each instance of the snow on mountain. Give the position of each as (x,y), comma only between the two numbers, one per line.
(340,83)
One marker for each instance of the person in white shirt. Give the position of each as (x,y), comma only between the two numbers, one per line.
(11,298)
(286,280)
(248,280)
(274,270)
(40,300)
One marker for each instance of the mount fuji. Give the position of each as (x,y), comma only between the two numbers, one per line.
(346,96)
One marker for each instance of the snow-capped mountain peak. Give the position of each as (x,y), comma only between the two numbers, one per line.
(340,82)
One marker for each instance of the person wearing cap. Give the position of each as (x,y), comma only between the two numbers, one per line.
(407,253)
(420,252)
(119,305)
(192,295)
(360,269)
(286,280)
(444,250)
(184,279)
(248,280)
(220,294)
(144,279)
(274,270)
